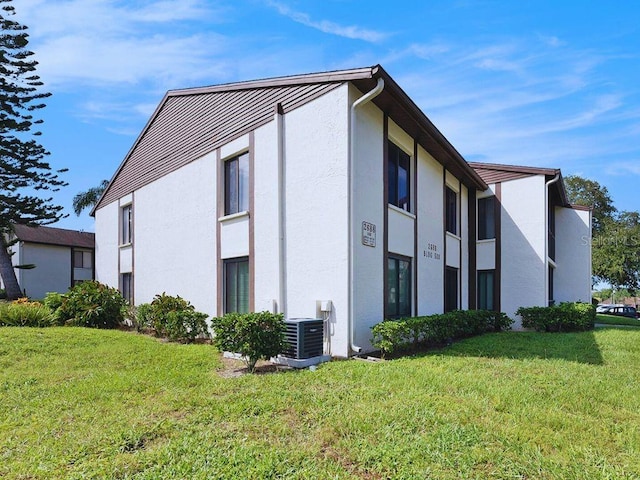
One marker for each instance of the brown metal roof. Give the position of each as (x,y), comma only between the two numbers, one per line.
(497,173)
(55,236)
(192,122)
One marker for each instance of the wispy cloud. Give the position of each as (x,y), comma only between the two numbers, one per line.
(326,26)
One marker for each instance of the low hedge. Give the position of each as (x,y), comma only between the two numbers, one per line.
(24,313)
(566,317)
(172,317)
(413,333)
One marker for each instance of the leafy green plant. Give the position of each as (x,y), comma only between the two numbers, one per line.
(23,313)
(255,336)
(92,304)
(392,336)
(566,317)
(172,317)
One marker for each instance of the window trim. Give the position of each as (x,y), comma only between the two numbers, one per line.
(126,224)
(127,295)
(493,293)
(398,314)
(396,164)
(449,269)
(482,218)
(233,206)
(225,263)
(451,218)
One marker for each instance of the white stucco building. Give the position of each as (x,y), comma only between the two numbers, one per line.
(60,258)
(324,194)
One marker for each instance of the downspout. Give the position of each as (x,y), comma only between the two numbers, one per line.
(352,153)
(282,267)
(546,236)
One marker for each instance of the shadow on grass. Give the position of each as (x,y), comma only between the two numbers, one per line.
(574,347)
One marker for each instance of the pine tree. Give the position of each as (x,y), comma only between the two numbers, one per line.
(24,173)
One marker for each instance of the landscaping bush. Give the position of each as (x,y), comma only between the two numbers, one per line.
(23,313)
(566,317)
(92,304)
(392,336)
(173,318)
(255,336)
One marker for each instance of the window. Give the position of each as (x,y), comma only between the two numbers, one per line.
(451,210)
(236,285)
(451,289)
(126,218)
(126,286)
(551,299)
(486,289)
(82,259)
(398,177)
(486,218)
(236,184)
(398,288)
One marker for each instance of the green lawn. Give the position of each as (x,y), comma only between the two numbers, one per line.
(78,403)
(616,320)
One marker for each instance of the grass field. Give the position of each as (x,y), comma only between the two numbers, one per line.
(78,403)
(617,320)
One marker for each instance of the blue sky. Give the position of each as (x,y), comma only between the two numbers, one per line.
(540,83)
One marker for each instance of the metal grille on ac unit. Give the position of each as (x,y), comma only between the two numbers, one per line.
(304,337)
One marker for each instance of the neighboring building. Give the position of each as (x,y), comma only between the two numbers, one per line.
(531,264)
(61,258)
(326,194)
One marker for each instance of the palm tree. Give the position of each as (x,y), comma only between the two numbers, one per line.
(89,198)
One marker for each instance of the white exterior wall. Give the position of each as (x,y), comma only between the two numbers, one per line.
(106,224)
(52,272)
(572,277)
(430,218)
(265,218)
(174,237)
(316,149)
(523,245)
(368,170)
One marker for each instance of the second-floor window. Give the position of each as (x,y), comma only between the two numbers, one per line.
(236,184)
(126,218)
(486,218)
(398,177)
(451,211)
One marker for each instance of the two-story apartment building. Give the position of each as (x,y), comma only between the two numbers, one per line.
(327,194)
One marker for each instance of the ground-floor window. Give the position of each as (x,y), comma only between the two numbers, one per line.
(551,299)
(398,287)
(236,285)
(450,289)
(486,289)
(126,286)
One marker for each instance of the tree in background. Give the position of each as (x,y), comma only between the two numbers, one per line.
(23,171)
(89,198)
(616,235)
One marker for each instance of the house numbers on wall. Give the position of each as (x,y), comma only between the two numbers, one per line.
(368,234)
(431,251)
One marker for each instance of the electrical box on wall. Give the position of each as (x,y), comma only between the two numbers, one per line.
(325,305)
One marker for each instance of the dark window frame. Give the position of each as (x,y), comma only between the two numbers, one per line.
(78,253)
(487,218)
(234,304)
(486,300)
(451,288)
(126,224)
(398,161)
(126,286)
(451,210)
(236,184)
(398,311)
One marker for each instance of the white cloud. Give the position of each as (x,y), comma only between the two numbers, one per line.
(326,26)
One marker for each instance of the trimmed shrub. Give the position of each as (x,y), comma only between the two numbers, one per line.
(255,336)
(92,304)
(23,313)
(392,336)
(566,317)
(173,318)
